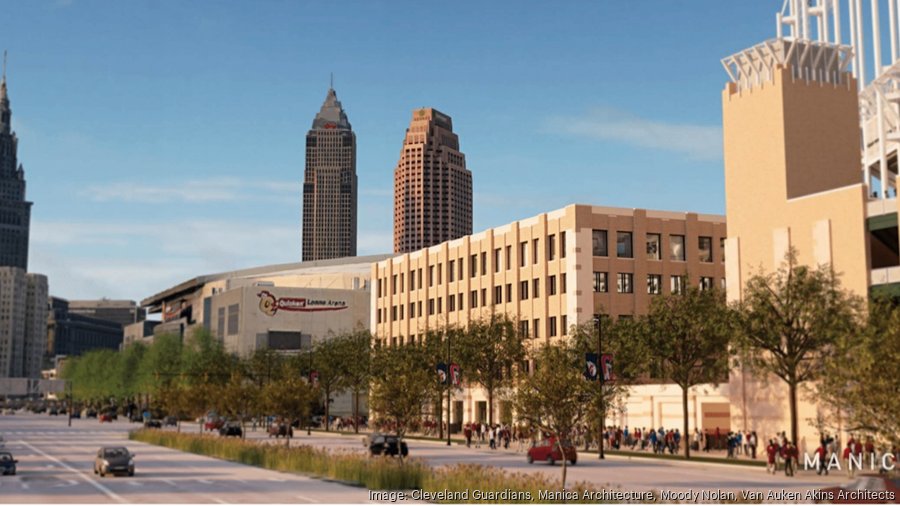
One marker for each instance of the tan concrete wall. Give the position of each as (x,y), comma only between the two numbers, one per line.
(792,179)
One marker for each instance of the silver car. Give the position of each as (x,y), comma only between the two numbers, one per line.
(114,460)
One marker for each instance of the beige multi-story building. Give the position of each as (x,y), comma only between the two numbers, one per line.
(549,272)
(432,187)
(23,323)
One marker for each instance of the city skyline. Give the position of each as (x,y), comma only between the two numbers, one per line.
(170,182)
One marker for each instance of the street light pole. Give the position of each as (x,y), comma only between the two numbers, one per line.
(449,385)
(309,418)
(69,388)
(599,324)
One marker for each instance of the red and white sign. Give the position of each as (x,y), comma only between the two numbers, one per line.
(270,304)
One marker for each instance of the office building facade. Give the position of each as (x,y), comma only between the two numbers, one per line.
(123,312)
(73,333)
(432,187)
(15,211)
(330,185)
(23,323)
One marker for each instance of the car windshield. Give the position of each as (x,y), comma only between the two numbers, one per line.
(114,453)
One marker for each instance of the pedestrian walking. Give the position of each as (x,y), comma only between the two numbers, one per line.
(771,451)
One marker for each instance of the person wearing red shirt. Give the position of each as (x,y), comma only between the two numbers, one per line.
(771,450)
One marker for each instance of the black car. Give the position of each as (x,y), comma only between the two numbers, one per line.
(231,429)
(384,444)
(7,463)
(76,414)
(91,413)
(153,424)
(170,421)
(53,412)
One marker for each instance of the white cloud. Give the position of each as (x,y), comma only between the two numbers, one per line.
(699,142)
(224,189)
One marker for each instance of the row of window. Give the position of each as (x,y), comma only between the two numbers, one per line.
(625,283)
(414,277)
(555,326)
(457,302)
(624,246)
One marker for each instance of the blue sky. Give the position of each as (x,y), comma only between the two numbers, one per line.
(163,140)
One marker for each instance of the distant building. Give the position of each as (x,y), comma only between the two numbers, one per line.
(140,332)
(15,211)
(23,323)
(123,312)
(432,187)
(329,185)
(72,334)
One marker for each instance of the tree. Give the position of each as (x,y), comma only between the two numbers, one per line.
(239,394)
(790,322)
(436,345)
(622,338)
(401,382)
(858,378)
(290,397)
(355,367)
(205,366)
(690,334)
(555,396)
(330,367)
(161,366)
(489,350)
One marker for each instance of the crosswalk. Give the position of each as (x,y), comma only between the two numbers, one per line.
(61,432)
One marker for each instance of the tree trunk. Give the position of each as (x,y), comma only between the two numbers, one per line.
(327,418)
(685,436)
(440,415)
(792,387)
(490,393)
(564,463)
(356,412)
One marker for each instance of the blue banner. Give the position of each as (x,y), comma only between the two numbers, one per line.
(590,366)
(442,373)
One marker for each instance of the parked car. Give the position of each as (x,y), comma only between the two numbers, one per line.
(385,444)
(153,424)
(76,414)
(90,413)
(114,460)
(231,429)
(863,483)
(106,417)
(280,429)
(7,463)
(170,421)
(214,424)
(547,450)
(53,412)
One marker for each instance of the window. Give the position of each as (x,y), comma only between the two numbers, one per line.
(450,268)
(562,245)
(473,299)
(523,252)
(440,272)
(536,328)
(654,284)
(534,251)
(536,287)
(706,283)
(419,304)
(412,280)
(484,300)
(551,327)
(624,282)
(600,248)
(378,285)
(497,260)
(233,315)
(722,249)
(451,304)
(430,276)
(562,283)
(551,285)
(401,311)
(600,282)
(412,310)
(676,248)
(461,267)
(430,307)
(498,294)
(623,245)
(653,244)
(402,283)
(564,324)
(509,292)
(523,328)
(393,313)
(377,312)
(459,298)
(677,284)
(440,304)
(704,244)
(221,327)
(483,263)
(473,265)
(508,257)
(394,284)
(420,279)
(523,290)
(551,247)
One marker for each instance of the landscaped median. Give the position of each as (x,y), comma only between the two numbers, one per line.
(452,484)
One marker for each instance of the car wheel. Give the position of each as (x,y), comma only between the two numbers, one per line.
(530,459)
(131,473)
(550,460)
(573,461)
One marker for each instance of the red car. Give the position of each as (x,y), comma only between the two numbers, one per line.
(547,450)
(867,488)
(106,417)
(215,424)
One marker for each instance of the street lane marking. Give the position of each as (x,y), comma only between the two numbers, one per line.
(109,493)
(170,483)
(205,482)
(276,479)
(307,499)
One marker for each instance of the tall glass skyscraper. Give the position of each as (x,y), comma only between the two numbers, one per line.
(15,211)
(329,185)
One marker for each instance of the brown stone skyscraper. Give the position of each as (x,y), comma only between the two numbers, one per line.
(329,185)
(432,188)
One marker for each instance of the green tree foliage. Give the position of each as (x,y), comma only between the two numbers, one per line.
(860,378)
(355,366)
(401,382)
(440,346)
(555,397)
(490,348)
(290,397)
(689,334)
(791,321)
(329,362)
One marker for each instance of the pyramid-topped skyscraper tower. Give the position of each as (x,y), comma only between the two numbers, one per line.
(15,211)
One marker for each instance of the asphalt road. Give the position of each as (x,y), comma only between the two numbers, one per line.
(56,466)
